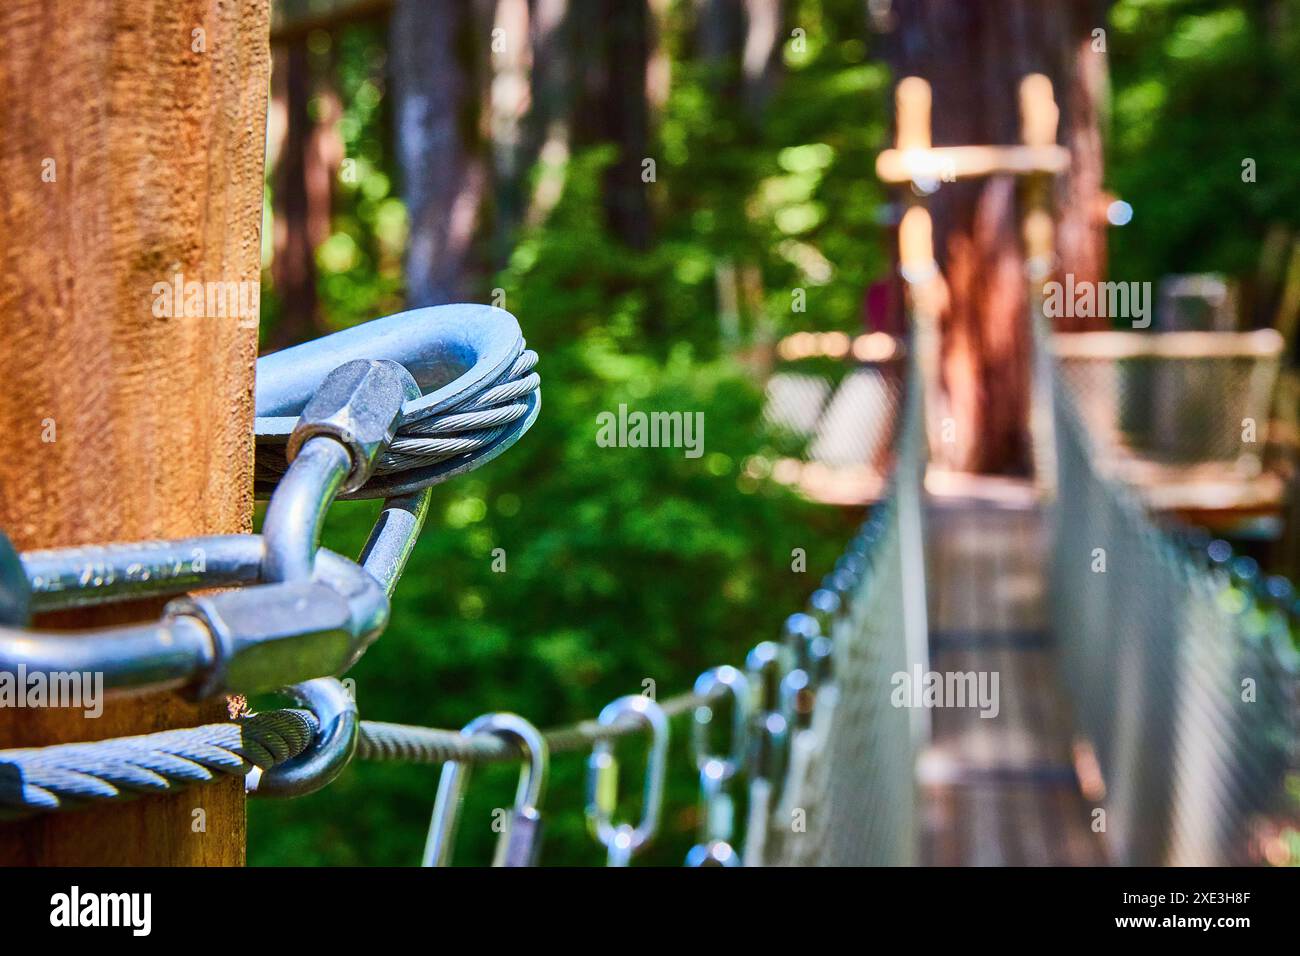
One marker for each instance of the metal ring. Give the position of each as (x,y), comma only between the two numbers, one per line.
(770,741)
(329,753)
(624,840)
(717,767)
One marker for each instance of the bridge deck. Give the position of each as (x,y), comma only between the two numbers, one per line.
(998,790)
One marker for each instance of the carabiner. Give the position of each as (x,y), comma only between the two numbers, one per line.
(799,629)
(713,853)
(623,840)
(718,767)
(805,638)
(766,667)
(826,607)
(717,809)
(520,841)
(797,699)
(767,664)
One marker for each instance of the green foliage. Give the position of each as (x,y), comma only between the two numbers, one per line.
(361,261)
(1199,87)
(621,564)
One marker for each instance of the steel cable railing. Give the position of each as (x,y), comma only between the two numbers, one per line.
(849,796)
(1183,678)
(841,793)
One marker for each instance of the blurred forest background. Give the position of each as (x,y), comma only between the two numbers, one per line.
(644,185)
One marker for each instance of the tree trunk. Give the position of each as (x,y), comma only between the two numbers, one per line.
(306,166)
(625,119)
(761,58)
(1080,199)
(439,148)
(974,53)
(509,96)
(548,127)
(133,154)
(293,267)
(720,33)
(551,79)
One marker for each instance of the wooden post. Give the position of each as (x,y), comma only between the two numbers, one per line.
(132,161)
(916,259)
(1039,116)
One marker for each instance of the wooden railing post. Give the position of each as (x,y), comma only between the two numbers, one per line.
(132,160)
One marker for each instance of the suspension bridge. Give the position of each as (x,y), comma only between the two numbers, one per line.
(1042,672)
(1132,655)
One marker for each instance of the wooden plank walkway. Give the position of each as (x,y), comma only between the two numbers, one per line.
(998,790)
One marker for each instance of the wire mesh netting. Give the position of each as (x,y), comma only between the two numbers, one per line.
(849,796)
(1182,678)
(1183,399)
(841,419)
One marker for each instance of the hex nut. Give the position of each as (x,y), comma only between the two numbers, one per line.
(272,635)
(360,405)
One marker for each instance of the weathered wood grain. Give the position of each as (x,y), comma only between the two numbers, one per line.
(131,152)
(999,790)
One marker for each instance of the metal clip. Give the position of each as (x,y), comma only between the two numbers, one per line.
(797,699)
(767,665)
(717,809)
(806,640)
(798,630)
(623,840)
(520,841)
(826,608)
(239,641)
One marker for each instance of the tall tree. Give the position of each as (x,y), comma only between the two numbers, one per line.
(612,108)
(975,53)
(739,42)
(305,165)
(433,48)
(509,96)
(761,57)
(548,127)
(719,38)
